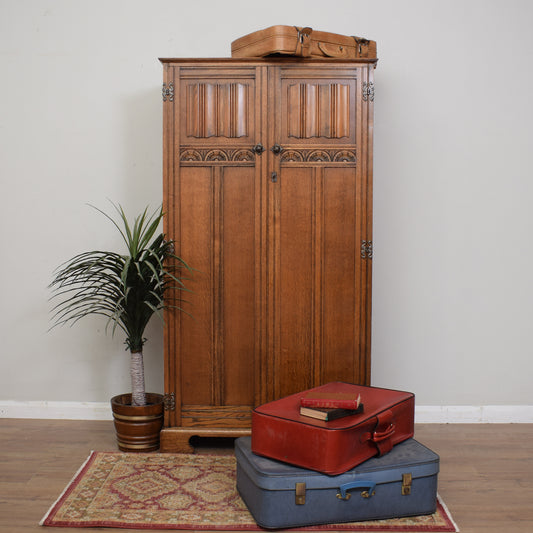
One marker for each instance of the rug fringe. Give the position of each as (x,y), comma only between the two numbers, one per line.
(80,469)
(448,514)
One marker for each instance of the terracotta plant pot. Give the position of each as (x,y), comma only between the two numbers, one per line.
(138,426)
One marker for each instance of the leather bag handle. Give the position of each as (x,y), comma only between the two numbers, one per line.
(333,50)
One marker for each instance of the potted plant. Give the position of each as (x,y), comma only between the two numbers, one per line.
(128,289)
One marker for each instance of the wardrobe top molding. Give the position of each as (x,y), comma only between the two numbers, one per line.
(271,60)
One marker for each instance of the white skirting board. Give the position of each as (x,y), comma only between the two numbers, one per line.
(432,414)
(472,414)
(56,410)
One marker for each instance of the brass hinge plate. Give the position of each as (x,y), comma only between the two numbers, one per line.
(367,250)
(368,91)
(169,401)
(168,92)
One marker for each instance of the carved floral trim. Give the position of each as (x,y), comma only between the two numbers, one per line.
(244,155)
(318,156)
(191,155)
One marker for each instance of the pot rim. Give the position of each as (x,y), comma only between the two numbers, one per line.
(153,398)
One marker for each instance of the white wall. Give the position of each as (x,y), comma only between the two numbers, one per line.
(80,122)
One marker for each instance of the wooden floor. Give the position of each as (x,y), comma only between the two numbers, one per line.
(486,470)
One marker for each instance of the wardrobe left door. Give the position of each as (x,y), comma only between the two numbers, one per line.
(213,162)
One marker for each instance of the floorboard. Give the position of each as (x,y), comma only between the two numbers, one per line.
(486,470)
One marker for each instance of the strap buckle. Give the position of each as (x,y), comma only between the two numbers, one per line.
(303,41)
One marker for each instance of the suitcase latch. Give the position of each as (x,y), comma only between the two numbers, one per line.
(407,480)
(300,494)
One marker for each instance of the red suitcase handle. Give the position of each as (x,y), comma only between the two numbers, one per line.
(379,436)
(383,432)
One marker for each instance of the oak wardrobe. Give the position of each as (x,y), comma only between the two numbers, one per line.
(268,195)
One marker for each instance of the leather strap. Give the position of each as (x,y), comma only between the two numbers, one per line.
(303,42)
(359,43)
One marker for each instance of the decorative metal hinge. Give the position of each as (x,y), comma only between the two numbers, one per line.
(169,401)
(367,249)
(368,91)
(168,92)
(171,247)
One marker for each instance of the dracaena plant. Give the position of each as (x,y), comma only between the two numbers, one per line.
(127,288)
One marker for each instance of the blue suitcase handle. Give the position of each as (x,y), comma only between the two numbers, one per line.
(343,495)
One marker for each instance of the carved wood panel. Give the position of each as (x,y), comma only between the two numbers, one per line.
(318,110)
(218,237)
(217,108)
(317,281)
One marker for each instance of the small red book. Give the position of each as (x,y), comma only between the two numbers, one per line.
(326,414)
(331,400)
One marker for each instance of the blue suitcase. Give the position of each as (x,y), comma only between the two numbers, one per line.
(401,483)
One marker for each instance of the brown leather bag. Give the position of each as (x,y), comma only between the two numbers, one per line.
(302,42)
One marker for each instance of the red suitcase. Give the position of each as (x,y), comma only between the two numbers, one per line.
(333,447)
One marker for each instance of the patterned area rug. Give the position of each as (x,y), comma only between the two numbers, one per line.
(180,491)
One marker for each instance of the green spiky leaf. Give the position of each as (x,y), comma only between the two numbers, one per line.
(129,288)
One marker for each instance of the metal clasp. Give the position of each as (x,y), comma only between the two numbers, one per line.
(299,498)
(303,33)
(407,480)
(303,42)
